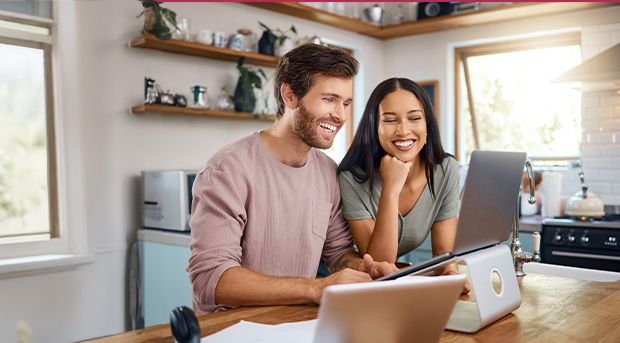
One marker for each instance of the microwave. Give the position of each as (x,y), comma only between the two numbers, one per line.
(167,199)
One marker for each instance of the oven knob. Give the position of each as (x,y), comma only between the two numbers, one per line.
(558,237)
(571,238)
(585,240)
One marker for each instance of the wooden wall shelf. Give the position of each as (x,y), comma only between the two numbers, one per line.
(176,46)
(443,23)
(195,112)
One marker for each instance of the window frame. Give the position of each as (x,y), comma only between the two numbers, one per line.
(460,61)
(58,241)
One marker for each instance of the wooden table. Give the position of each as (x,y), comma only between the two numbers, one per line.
(553,309)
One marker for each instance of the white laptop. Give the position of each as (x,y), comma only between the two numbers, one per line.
(410,309)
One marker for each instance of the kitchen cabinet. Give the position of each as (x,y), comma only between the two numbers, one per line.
(182,47)
(448,22)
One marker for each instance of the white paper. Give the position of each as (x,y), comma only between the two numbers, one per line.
(248,332)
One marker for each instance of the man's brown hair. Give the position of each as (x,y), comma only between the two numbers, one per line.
(299,67)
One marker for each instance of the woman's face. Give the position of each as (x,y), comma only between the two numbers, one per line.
(401,125)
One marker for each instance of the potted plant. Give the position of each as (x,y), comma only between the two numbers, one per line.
(270,37)
(244,98)
(155,18)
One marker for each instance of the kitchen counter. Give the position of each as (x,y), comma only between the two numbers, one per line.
(553,309)
(530,223)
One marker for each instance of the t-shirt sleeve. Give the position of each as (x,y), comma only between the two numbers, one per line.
(338,239)
(352,193)
(217,225)
(450,203)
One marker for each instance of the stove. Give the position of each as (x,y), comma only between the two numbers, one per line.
(582,242)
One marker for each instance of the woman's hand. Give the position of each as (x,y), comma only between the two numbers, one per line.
(466,286)
(393,173)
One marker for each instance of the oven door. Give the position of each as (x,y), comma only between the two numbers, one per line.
(583,247)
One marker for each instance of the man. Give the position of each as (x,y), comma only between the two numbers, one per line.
(266,207)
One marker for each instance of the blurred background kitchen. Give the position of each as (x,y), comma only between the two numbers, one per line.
(89,100)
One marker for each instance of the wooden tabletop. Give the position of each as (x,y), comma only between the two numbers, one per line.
(553,309)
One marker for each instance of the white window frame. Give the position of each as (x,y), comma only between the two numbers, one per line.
(68,244)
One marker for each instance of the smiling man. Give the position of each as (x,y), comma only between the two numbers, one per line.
(266,207)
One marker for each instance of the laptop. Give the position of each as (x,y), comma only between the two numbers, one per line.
(410,309)
(488,205)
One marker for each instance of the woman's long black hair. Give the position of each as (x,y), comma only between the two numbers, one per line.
(366,152)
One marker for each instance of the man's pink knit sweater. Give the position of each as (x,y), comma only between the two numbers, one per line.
(251,210)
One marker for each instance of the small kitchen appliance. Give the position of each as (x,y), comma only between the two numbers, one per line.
(167,199)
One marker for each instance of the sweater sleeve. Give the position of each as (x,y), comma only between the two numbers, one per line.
(217,225)
(338,239)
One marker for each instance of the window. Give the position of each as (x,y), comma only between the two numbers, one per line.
(504,100)
(28,176)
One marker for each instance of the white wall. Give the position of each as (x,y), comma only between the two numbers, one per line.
(91,300)
(430,57)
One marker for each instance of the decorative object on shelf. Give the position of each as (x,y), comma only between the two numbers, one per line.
(165,98)
(183,32)
(201,98)
(235,41)
(309,40)
(224,102)
(374,14)
(150,93)
(461,7)
(249,40)
(156,19)
(220,39)
(204,37)
(266,45)
(434,9)
(244,92)
(180,100)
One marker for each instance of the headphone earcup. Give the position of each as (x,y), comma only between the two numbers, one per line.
(184,325)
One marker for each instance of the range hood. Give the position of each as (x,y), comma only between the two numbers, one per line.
(599,73)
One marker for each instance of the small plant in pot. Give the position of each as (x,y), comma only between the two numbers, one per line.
(266,44)
(244,98)
(156,18)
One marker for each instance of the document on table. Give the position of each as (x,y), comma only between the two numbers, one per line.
(248,332)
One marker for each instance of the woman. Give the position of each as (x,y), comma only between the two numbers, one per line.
(396,182)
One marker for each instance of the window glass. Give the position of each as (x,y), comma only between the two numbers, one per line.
(36,8)
(24,206)
(517,109)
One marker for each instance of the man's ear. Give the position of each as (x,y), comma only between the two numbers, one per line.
(289,98)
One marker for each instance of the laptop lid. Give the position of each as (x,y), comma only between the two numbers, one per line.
(410,309)
(489,201)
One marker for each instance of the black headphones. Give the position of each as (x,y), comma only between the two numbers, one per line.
(184,325)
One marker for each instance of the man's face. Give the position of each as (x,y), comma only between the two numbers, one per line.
(323,111)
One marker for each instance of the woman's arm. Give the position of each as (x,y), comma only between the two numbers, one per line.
(442,238)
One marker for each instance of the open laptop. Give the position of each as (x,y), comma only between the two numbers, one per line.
(488,206)
(411,309)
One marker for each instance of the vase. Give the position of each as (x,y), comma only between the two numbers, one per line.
(264,46)
(243,98)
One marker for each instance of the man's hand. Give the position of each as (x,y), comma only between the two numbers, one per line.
(378,269)
(466,286)
(344,276)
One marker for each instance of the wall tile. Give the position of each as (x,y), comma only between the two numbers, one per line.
(615,188)
(588,175)
(616,138)
(599,187)
(588,52)
(616,163)
(617,112)
(600,113)
(590,101)
(590,150)
(610,150)
(591,125)
(610,125)
(608,27)
(589,30)
(610,100)
(600,138)
(599,38)
(610,199)
(571,187)
(598,163)
(609,175)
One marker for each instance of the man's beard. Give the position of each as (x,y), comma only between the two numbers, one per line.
(305,126)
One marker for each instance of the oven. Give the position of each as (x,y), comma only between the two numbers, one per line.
(585,243)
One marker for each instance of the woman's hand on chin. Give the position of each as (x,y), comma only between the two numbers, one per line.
(393,173)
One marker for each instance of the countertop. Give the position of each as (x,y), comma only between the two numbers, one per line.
(553,309)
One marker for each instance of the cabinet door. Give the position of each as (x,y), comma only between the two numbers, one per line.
(165,283)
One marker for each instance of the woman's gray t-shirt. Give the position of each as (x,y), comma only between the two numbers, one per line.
(415,226)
